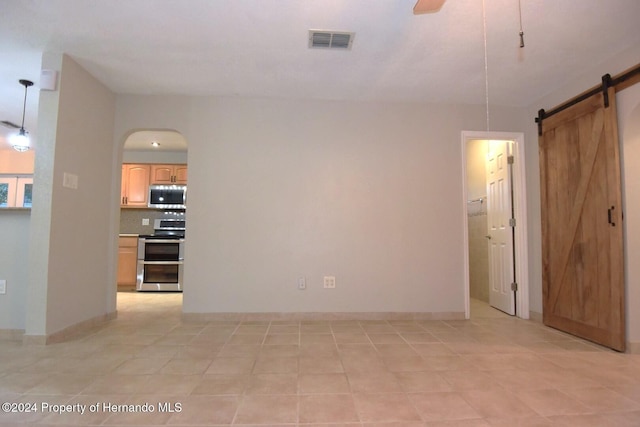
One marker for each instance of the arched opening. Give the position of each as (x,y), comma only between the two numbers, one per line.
(150,269)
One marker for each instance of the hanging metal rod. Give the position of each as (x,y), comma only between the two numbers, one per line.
(619,82)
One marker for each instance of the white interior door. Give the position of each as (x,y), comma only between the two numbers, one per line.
(500,232)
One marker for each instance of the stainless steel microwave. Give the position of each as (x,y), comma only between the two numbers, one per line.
(168,196)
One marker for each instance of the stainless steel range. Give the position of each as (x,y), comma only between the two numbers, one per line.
(161,257)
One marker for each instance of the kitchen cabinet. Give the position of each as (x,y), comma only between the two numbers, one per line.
(169,174)
(16,191)
(127,261)
(135,185)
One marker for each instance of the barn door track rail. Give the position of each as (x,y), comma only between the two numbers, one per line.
(621,81)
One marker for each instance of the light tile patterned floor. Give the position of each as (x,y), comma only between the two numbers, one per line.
(493,370)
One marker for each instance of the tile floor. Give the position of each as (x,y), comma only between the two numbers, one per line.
(492,370)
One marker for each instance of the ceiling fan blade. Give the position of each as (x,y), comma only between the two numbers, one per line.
(427,6)
(9,124)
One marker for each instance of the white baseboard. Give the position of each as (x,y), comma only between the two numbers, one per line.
(633,347)
(245,317)
(535,316)
(80,328)
(11,334)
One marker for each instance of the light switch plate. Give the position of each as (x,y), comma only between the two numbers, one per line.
(70,180)
(3,287)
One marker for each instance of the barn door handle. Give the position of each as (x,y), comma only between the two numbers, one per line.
(609,212)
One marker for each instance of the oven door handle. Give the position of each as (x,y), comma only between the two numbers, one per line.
(141,261)
(151,241)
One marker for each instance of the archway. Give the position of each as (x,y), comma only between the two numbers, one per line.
(148,155)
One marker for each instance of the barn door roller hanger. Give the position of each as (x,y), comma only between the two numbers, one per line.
(607,82)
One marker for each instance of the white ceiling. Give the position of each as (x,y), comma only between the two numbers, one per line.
(259,48)
(167,141)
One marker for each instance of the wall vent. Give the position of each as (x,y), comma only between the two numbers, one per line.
(330,39)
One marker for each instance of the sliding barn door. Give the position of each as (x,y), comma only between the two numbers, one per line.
(582,252)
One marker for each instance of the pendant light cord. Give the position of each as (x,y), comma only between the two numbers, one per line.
(24,107)
(486,62)
(26,84)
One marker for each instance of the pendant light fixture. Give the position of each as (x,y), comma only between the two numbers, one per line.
(20,141)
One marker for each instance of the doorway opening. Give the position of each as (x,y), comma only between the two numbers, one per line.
(154,166)
(506,244)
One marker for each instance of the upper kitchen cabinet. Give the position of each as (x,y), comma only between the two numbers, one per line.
(135,185)
(169,174)
(151,157)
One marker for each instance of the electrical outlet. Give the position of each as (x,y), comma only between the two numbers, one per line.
(329,282)
(145,221)
(3,287)
(302,283)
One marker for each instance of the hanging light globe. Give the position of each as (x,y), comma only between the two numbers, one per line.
(20,141)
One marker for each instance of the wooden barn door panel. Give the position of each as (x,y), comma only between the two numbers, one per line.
(583,287)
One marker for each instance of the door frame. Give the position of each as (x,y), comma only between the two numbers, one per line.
(520,209)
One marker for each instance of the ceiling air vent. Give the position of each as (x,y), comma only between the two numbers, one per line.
(330,39)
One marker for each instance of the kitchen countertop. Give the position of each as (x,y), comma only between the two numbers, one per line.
(15,209)
(128,235)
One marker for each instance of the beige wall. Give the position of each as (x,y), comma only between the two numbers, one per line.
(629,130)
(355,191)
(154,157)
(370,193)
(476,169)
(70,255)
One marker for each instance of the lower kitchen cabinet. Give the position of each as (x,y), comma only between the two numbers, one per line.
(127,262)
